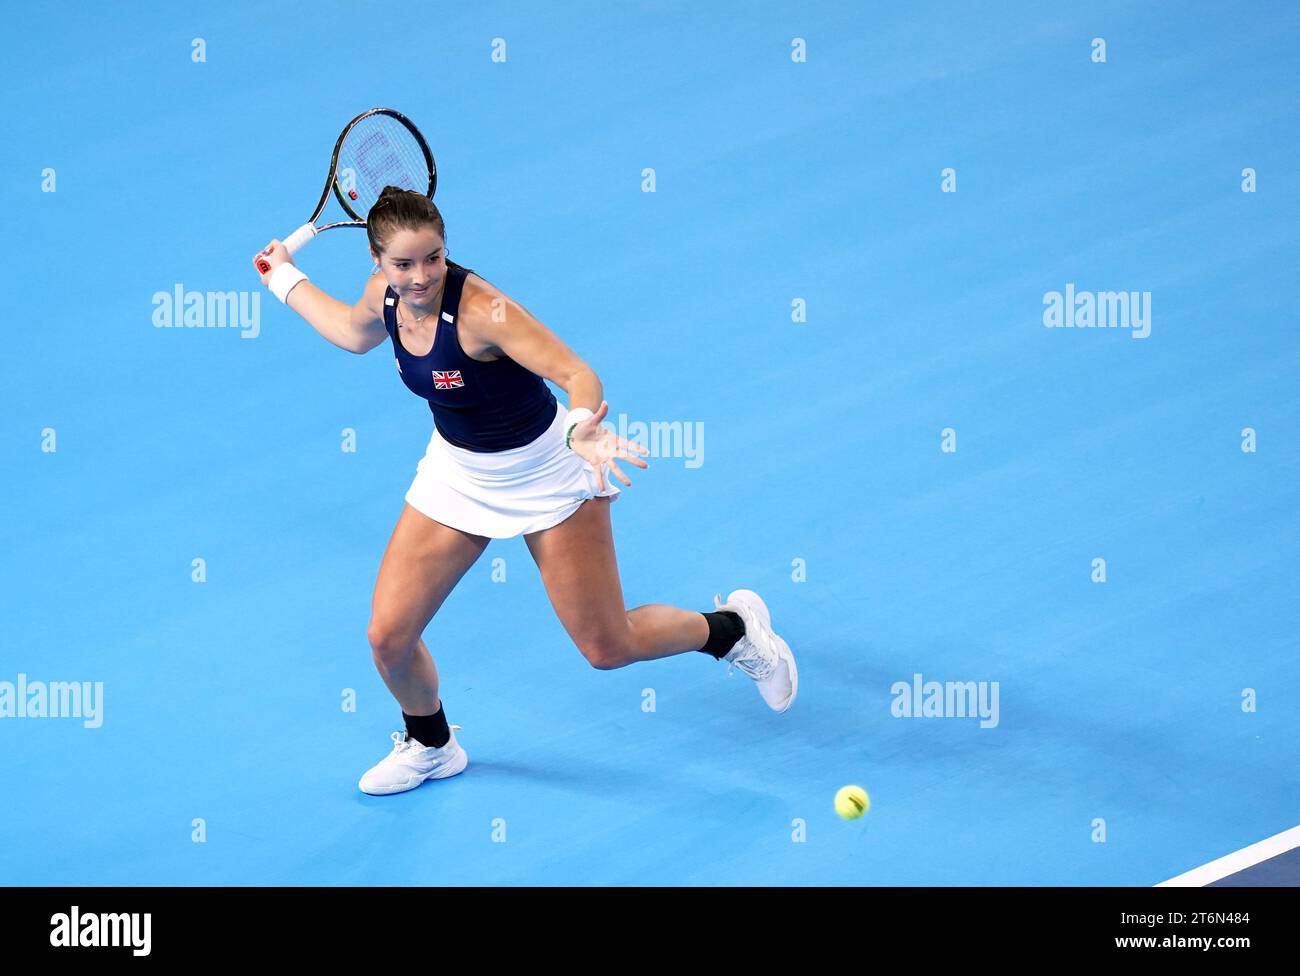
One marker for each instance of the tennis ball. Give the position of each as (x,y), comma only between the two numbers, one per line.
(852,802)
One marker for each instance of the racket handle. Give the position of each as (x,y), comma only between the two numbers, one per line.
(293,243)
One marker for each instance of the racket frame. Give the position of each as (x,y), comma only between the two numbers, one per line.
(299,238)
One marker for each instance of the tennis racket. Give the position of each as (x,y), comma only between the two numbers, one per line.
(378,148)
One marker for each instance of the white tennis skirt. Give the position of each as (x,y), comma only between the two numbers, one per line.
(502,494)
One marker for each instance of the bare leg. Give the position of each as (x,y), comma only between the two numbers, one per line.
(658,630)
(413,681)
(424,561)
(580,571)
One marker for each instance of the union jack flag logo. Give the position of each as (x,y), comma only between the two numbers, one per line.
(447,379)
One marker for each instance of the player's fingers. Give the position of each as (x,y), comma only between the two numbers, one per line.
(275,247)
(621,476)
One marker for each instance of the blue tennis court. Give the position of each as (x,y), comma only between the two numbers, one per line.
(965,340)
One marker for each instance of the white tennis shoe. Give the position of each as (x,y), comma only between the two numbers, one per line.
(760,653)
(411,763)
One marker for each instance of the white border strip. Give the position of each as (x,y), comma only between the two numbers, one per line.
(1236,861)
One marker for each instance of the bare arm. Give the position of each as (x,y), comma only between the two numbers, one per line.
(498,319)
(357,328)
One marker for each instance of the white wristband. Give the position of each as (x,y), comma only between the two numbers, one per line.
(574,416)
(282,280)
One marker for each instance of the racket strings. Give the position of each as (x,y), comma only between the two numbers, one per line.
(380,151)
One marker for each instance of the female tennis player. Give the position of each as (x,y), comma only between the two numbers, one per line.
(504,460)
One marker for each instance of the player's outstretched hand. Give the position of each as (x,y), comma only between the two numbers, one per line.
(600,447)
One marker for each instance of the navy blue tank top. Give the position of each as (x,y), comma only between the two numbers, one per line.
(477,406)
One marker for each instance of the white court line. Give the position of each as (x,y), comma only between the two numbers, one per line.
(1236,861)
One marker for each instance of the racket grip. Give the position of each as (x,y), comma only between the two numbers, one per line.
(295,241)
